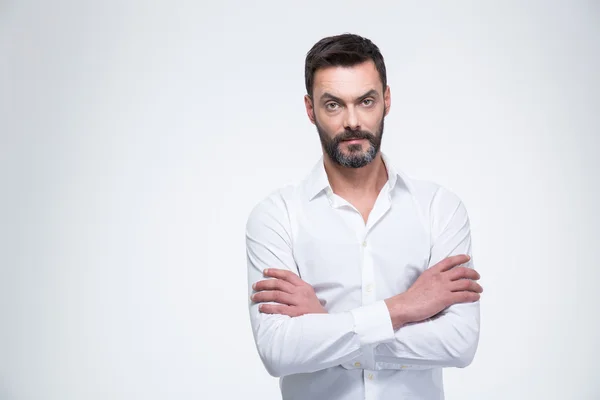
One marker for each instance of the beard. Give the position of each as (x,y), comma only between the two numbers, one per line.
(357,157)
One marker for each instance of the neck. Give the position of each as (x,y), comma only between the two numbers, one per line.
(364,181)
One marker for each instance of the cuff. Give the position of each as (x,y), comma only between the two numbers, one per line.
(373,323)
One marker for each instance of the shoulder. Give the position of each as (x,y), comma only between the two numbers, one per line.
(431,195)
(437,203)
(272,209)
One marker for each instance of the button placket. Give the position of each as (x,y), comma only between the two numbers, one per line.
(367,284)
(370,388)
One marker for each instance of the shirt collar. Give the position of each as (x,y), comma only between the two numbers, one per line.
(318,182)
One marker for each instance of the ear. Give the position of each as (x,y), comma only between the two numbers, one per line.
(310,111)
(387,100)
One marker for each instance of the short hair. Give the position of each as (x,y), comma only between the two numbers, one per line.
(342,50)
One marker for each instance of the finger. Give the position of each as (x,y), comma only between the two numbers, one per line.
(466,285)
(284,274)
(275,296)
(451,262)
(464,297)
(273,284)
(463,273)
(276,309)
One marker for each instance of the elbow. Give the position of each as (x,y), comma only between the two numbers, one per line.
(272,368)
(465,358)
(270,360)
(274,355)
(273,364)
(463,353)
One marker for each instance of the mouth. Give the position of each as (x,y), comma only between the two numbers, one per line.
(351,141)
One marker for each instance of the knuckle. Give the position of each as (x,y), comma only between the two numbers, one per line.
(274,309)
(447,299)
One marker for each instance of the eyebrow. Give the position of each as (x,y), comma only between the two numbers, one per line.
(329,96)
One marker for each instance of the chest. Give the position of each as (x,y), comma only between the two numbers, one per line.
(350,262)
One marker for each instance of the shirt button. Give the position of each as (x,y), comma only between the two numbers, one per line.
(370,376)
(357,364)
(370,287)
(364,244)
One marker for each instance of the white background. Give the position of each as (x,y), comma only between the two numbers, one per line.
(136,136)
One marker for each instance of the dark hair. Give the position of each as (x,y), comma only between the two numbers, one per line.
(342,50)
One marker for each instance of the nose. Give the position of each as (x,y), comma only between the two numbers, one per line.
(351,119)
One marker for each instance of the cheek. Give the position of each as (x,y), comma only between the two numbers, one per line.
(330,123)
(372,120)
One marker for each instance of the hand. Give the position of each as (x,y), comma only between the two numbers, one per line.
(295,297)
(436,289)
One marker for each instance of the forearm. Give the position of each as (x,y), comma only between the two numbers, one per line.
(448,340)
(314,342)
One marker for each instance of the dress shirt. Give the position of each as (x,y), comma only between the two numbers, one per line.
(353,352)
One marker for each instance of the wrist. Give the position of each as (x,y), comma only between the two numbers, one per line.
(398,312)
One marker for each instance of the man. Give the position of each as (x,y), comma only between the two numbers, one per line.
(361,278)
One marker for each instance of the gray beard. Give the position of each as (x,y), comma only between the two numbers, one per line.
(357,157)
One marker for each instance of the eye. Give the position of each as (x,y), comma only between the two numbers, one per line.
(331,106)
(368,102)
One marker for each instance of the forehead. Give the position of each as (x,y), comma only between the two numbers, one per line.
(347,81)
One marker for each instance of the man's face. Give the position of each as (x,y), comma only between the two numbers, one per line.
(348,108)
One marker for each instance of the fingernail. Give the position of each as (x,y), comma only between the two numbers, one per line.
(252,297)
(266,271)
(254,286)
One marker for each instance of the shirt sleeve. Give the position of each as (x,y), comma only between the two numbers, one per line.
(449,339)
(313,341)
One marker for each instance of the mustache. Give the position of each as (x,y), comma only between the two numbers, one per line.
(351,135)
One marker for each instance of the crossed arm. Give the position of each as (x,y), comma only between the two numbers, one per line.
(294,334)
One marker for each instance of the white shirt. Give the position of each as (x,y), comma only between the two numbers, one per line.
(353,351)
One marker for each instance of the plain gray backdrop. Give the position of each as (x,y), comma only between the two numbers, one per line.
(136,136)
